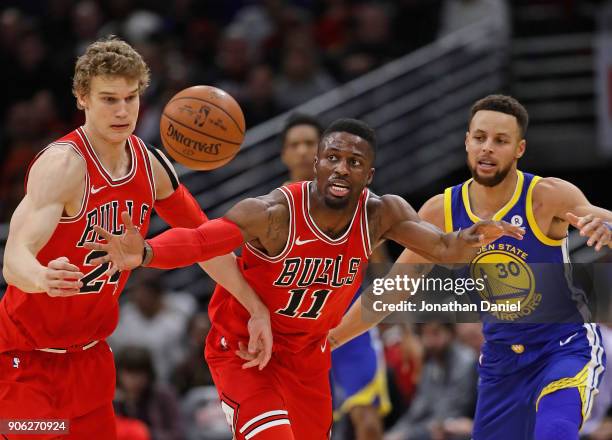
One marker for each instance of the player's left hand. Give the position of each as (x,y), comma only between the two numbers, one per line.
(487,231)
(598,231)
(124,252)
(259,350)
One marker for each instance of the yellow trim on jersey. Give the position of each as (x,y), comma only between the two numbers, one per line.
(448,210)
(517,194)
(533,224)
(466,201)
(579,381)
(504,210)
(377,388)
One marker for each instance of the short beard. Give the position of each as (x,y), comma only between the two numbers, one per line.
(337,204)
(495,180)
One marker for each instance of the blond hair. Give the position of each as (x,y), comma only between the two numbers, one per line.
(110,56)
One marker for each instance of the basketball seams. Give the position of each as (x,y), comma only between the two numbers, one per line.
(199,132)
(169,146)
(200,127)
(214,105)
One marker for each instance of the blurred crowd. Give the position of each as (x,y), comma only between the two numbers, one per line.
(271,55)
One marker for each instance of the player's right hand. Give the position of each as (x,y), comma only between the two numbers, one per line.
(487,231)
(60,278)
(259,350)
(124,252)
(260,339)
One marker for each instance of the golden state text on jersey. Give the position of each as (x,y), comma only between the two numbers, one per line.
(533,272)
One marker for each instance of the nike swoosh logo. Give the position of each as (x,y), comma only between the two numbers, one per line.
(95,190)
(324,346)
(301,242)
(562,343)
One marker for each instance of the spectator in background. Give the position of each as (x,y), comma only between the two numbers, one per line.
(35,68)
(416,22)
(12,26)
(155,319)
(87,19)
(290,22)
(373,43)
(404,356)
(332,27)
(29,126)
(232,63)
(447,390)
(173,73)
(204,416)
(191,370)
(258,20)
(301,78)
(138,396)
(299,143)
(457,14)
(131,429)
(259,102)
(470,335)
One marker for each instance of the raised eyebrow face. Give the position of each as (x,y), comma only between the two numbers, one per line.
(353,152)
(354,145)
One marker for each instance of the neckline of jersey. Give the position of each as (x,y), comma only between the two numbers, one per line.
(504,209)
(313,225)
(107,175)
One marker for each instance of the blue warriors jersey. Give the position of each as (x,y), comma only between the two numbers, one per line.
(533,272)
(363,386)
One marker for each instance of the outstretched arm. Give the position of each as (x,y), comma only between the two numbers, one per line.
(569,204)
(408,263)
(355,323)
(178,208)
(180,247)
(401,224)
(55,179)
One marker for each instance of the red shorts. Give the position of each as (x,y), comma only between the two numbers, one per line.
(293,389)
(76,386)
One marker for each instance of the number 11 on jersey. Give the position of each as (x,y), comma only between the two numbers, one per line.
(296,299)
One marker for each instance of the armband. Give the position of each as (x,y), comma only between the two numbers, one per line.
(181,209)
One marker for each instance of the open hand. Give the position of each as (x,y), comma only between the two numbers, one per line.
(124,252)
(598,231)
(487,231)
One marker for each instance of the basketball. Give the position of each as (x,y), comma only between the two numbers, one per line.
(202,127)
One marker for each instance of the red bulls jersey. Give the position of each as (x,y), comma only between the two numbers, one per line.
(308,286)
(29,321)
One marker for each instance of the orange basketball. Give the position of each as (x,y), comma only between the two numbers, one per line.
(202,127)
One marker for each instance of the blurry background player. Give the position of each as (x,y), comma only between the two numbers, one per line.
(537,380)
(359,392)
(59,306)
